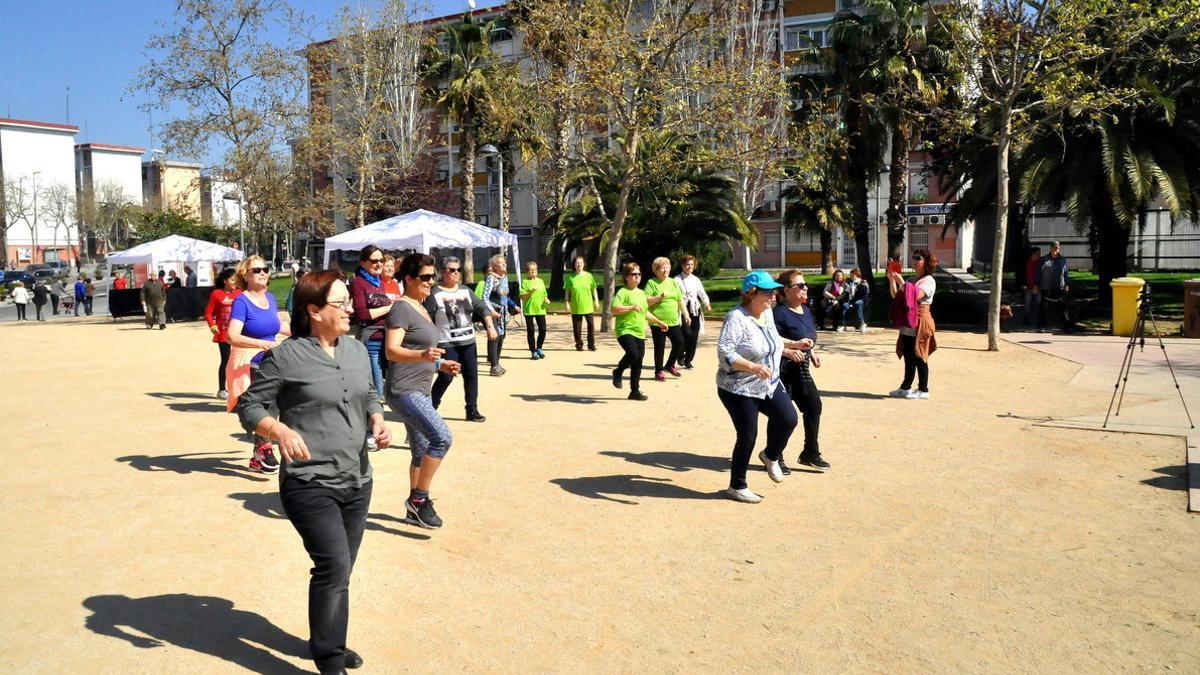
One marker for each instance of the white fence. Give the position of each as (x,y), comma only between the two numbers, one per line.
(1156,247)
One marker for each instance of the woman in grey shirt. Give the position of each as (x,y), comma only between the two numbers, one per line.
(412,348)
(321,383)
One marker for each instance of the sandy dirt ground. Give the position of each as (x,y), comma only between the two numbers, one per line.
(586,533)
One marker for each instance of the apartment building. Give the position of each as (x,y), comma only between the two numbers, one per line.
(169,185)
(106,174)
(37,163)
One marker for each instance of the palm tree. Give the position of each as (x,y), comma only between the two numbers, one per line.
(462,66)
(817,202)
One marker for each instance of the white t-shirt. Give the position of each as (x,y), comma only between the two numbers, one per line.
(927,285)
(453,315)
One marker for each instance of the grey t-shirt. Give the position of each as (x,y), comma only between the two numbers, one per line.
(419,334)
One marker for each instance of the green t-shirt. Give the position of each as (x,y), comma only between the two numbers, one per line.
(535,304)
(580,289)
(668,309)
(631,323)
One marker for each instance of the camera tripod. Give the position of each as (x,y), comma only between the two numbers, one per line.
(1138,338)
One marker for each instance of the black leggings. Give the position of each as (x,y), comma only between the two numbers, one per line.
(468,360)
(691,335)
(803,392)
(21,311)
(914,364)
(743,411)
(660,337)
(224,348)
(540,319)
(577,327)
(635,350)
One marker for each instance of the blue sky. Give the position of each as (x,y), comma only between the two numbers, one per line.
(95,48)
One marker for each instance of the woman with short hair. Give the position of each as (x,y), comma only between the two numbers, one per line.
(495,294)
(533,306)
(454,309)
(371,306)
(320,382)
(917,339)
(217,313)
(694,298)
(665,298)
(412,348)
(582,299)
(749,351)
(631,312)
(794,321)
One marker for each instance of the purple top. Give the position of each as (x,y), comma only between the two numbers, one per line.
(257,323)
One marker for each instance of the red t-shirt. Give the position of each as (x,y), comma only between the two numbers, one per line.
(392,288)
(220,305)
(1031,269)
(119,284)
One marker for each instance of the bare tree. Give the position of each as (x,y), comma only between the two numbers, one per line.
(59,201)
(105,213)
(17,205)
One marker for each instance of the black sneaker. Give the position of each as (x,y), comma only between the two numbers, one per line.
(616,378)
(688,365)
(474,416)
(783,467)
(637,396)
(815,462)
(423,514)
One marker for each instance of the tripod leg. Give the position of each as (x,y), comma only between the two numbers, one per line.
(1162,345)
(1122,376)
(1139,335)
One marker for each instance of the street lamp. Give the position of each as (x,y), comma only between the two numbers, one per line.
(490,150)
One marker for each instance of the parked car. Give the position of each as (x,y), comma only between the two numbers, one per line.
(11,277)
(46,275)
(33,267)
(59,266)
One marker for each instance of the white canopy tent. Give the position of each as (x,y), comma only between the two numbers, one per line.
(423,230)
(173,249)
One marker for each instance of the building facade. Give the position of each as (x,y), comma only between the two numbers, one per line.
(37,182)
(106,176)
(169,185)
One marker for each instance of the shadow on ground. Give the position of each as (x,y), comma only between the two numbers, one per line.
(850,394)
(221,464)
(1169,478)
(564,398)
(672,461)
(199,402)
(267,505)
(627,485)
(204,624)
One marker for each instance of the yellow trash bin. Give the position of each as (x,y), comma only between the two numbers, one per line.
(1126,292)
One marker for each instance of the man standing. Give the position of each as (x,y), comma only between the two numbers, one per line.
(80,294)
(56,291)
(1054,287)
(190,279)
(154,299)
(89,294)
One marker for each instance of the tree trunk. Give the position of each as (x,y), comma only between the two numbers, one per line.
(826,252)
(1002,180)
(612,252)
(857,193)
(555,292)
(1113,240)
(897,210)
(466,158)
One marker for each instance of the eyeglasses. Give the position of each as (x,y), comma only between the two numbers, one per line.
(344,305)
(426,277)
(259,270)
(452,270)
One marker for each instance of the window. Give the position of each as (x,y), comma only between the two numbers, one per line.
(502,31)
(771,240)
(798,38)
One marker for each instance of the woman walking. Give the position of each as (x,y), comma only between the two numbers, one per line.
(412,340)
(533,306)
(749,352)
(794,321)
(631,313)
(371,305)
(454,308)
(582,299)
(320,382)
(917,338)
(495,294)
(216,314)
(665,297)
(694,298)
(253,328)
(20,296)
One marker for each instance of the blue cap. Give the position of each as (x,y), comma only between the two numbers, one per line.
(759,279)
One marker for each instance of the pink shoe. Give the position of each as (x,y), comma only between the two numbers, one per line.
(674,371)
(658,375)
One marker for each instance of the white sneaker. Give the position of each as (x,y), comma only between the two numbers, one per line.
(223,395)
(900,393)
(773,469)
(916,394)
(841,329)
(862,327)
(743,495)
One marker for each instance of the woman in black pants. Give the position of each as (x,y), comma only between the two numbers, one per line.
(631,312)
(794,321)
(328,406)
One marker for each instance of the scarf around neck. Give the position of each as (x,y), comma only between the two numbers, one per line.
(374,279)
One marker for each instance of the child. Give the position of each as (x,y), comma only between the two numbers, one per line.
(533,305)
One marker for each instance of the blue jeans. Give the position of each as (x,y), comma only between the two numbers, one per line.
(375,354)
(858,308)
(427,431)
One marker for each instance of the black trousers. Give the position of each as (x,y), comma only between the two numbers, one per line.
(577,327)
(803,392)
(494,348)
(467,355)
(913,365)
(1057,301)
(37,309)
(223,347)
(635,351)
(54,302)
(744,411)
(331,523)
(540,319)
(21,311)
(660,337)
(691,336)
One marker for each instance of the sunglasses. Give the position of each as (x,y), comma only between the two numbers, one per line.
(374,261)
(798,286)
(917,258)
(426,277)
(634,274)
(260,270)
(452,270)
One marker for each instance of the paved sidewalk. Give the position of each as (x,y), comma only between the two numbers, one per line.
(1151,405)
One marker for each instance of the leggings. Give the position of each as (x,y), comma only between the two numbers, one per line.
(691,335)
(743,411)
(224,349)
(914,364)
(494,349)
(803,392)
(467,358)
(540,319)
(635,350)
(577,321)
(21,311)
(427,431)
(660,337)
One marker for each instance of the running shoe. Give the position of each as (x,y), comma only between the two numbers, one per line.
(497,371)
(771,466)
(674,371)
(743,495)
(899,393)
(474,416)
(541,354)
(616,378)
(814,461)
(688,365)
(841,329)
(784,468)
(256,466)
(422,514)
(659,377)
(917,395)
(862,327)
(223,395)
(637,396)
(266,458)
(534,355)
